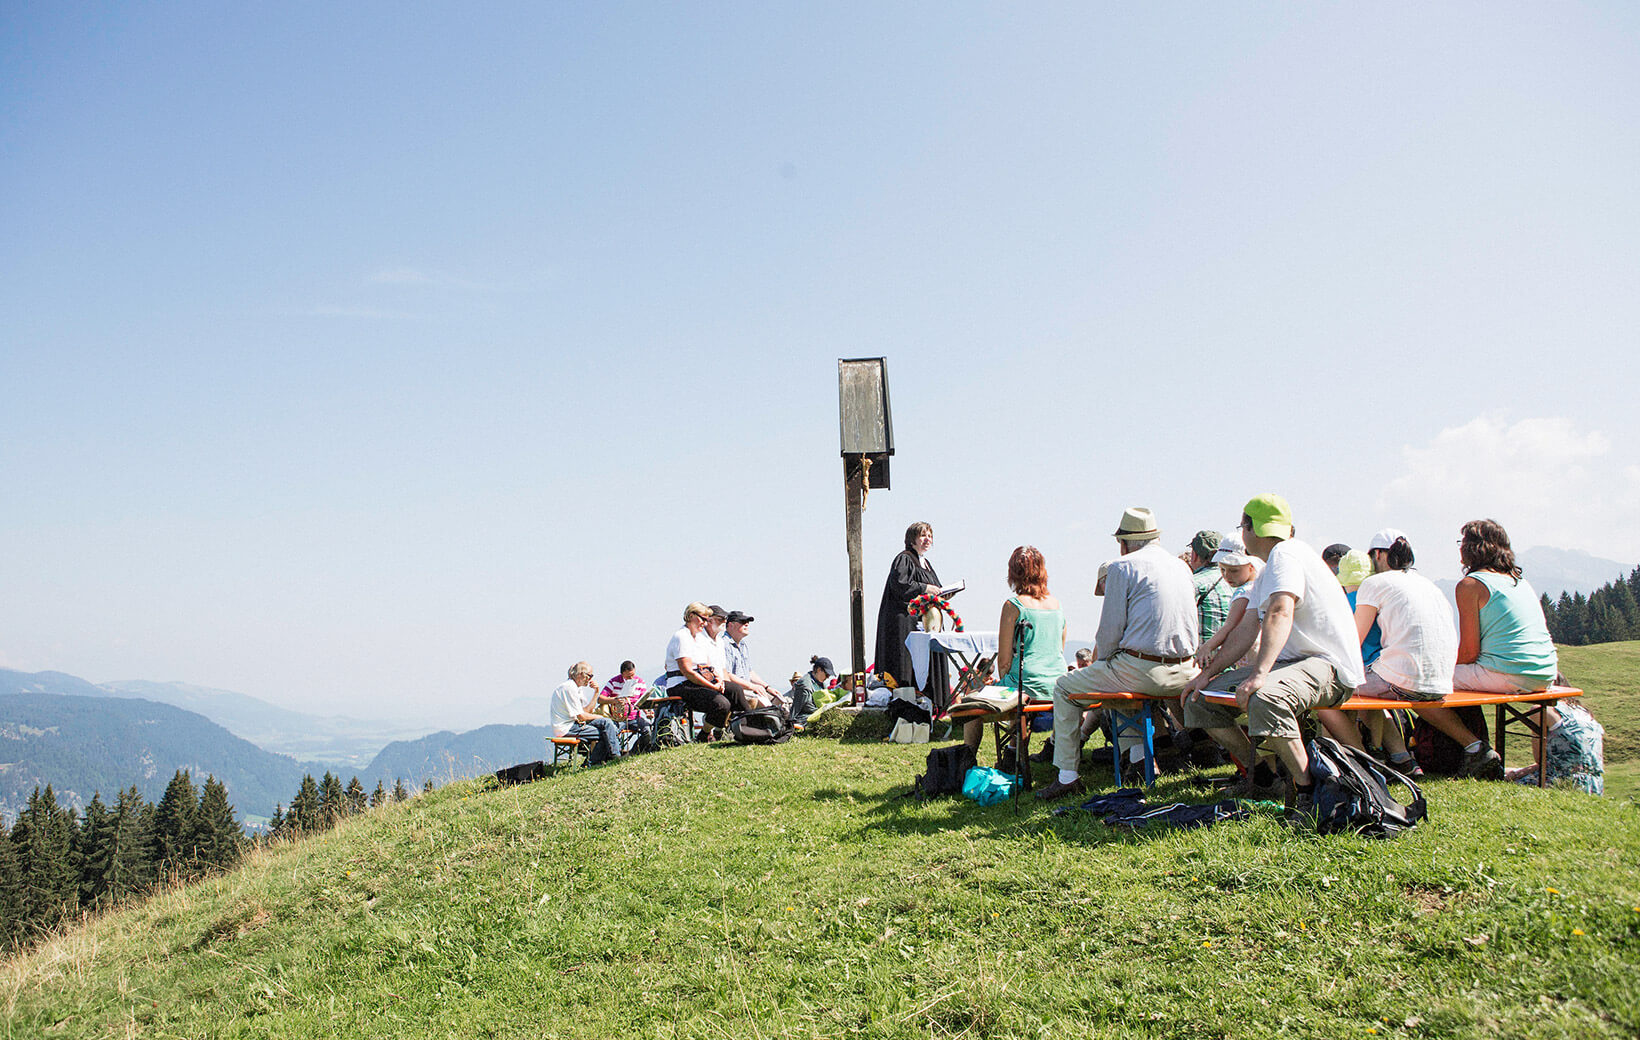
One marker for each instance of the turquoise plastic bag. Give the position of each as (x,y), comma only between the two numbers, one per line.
(988,786)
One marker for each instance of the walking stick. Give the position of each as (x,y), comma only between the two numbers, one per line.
(1020,765)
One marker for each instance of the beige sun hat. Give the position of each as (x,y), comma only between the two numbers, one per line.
(1138,525)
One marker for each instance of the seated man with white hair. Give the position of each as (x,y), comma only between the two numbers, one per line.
(570,714)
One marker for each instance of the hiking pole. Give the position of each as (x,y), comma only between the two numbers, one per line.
(1020,730)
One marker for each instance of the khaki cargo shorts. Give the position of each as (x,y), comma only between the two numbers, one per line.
(1273,711)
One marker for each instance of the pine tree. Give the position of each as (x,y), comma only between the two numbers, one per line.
(399,793)
(1550,619)
(44,840)
(1626,610)
(378,797)
(95,840)
(276,825)
(176,821)
(220,837)
(332,799)
(356,800)
(11,894)
(130,867)
(303,815)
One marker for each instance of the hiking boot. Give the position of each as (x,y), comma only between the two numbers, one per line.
(1301,806)
(1408,767)
(1057,789)
(1484,764)
(1044,755)
(1251,789)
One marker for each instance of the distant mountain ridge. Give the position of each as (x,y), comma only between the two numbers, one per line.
(82,745)
(1553,571)
(349,743)
(82,737)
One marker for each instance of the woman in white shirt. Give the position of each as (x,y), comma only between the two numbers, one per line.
(1420,646)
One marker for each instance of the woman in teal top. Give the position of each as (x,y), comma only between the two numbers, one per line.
(1503,641)
(1041,656)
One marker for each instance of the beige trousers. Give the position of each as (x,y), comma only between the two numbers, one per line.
(1123,673)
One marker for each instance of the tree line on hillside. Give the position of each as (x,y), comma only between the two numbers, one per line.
(1609,614)
(56,863)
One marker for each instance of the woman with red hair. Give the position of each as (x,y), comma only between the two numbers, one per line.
(1039,659)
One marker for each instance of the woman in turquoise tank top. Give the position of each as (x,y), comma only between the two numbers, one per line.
(1503,640)
(1041,657)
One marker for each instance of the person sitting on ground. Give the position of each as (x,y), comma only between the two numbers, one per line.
(1333,554)
(1040,657)
(1420,648)
(1146,641)
(1503,639)
(1308,655)
(740,677)
(621,694)
(690,675)
(1576,755)
(570,714)
(810,691)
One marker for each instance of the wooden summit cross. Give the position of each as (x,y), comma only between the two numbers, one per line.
(868,441)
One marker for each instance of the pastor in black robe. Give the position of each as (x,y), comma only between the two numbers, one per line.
(906,581)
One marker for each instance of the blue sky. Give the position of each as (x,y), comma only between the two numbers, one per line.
(395,356)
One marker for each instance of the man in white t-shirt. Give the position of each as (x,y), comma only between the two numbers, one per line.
(1308,655)
(570,714)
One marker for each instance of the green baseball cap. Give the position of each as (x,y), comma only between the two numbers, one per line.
(1354,568)
(1271,515)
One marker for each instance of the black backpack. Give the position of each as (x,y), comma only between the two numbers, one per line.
(1352,793)
(769,725)
(947,768)
(1439,754)
(522,774)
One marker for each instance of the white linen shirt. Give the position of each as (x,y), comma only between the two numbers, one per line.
(568,700)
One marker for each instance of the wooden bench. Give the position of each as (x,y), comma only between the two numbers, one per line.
(1129,713)
(564,750)
(1533,720)
(1005,725)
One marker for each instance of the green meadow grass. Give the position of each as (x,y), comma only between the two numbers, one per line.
(789,891)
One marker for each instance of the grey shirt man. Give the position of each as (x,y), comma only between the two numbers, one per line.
(1150,606)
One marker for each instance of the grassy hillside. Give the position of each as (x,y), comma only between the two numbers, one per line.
(788,891)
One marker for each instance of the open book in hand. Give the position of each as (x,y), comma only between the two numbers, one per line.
(951,590)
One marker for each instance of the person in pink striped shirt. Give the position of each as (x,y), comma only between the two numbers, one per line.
(622,692)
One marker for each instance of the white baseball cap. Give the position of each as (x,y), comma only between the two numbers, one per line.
(1231,551)
(1384,539)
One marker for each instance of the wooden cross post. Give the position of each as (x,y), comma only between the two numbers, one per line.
(868,440)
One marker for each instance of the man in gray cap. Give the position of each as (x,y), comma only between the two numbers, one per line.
(1146,641)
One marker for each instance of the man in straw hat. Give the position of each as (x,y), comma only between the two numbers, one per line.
(1146,640)
(1309,654)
